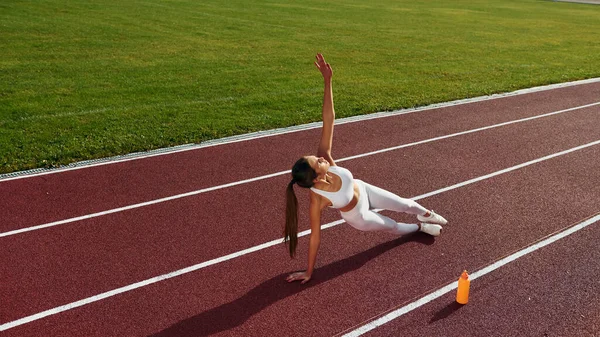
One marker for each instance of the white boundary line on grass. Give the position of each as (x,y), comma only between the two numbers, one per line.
(240,182)
(450,287)
(190,269)
(275,132)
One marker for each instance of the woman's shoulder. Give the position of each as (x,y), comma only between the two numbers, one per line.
(319,200)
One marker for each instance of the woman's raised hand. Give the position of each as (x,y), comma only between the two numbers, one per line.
(324,67)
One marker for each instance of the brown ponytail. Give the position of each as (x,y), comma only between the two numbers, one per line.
(303,175)
(291,219)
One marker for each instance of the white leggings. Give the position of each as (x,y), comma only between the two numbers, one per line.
(363,218)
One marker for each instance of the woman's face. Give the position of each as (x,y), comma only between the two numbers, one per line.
(319,164)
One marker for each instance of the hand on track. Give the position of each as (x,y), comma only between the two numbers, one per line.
(302,275)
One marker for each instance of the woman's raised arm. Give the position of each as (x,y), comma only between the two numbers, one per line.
(324,149)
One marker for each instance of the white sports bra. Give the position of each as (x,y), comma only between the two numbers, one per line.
(344,195)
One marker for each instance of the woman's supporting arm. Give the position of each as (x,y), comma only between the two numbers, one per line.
(315,235)
(313,243)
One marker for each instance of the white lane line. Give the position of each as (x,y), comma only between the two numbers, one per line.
(245,181)
(190,269)
(142,204)
(450,287)
(276,132)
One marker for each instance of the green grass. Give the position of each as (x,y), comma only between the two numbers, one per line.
(86,79)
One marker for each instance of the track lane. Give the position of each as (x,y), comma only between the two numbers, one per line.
(359,274)
(122,244)
(42,199)
(121,258)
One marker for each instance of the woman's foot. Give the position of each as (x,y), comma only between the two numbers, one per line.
(431,229)
(432,218)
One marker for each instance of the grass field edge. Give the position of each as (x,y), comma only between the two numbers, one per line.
(275,132)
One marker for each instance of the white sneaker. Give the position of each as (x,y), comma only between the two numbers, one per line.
(433,218)
(431,229)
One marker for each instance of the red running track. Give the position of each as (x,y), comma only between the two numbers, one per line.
(360,275)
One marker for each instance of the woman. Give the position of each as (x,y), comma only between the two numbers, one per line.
(333,186)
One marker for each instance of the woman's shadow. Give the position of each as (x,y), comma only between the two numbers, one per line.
(234,313)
